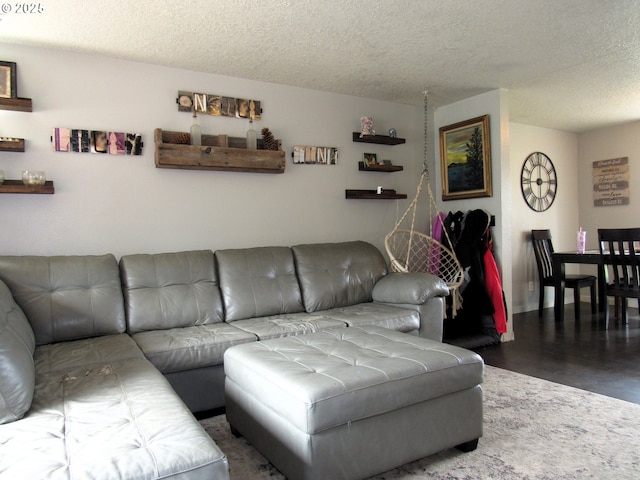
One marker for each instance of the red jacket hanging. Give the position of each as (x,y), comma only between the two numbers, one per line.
(494,287)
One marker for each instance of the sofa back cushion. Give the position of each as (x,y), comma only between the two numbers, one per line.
(66,297)
(257,282)
(17,371)
(170,290)
(337,274)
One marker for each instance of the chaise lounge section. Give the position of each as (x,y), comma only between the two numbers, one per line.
(79,399)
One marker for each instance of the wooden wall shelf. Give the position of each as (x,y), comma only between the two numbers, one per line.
(380,139)
(15,145)
(387,194)
(16,186)
(379,168)
(16,104)
(218,152)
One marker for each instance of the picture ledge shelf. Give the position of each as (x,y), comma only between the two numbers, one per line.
(379,168)
(16,104)
(16,186)
(217,152)
(379,139)
(14,145)
(387,194)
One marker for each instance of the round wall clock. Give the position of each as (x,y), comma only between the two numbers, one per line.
(538,181)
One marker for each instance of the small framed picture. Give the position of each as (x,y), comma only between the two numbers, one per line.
(370,159)
(387,163)
(8,86)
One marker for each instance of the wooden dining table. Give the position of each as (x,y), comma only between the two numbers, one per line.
(560,259)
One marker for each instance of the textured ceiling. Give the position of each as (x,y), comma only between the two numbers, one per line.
(572,64)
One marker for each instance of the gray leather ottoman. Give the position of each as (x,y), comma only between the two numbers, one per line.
(352,402)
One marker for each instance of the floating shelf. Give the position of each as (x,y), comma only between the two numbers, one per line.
(379,168)
(16,186)
(16,104)
(380,139)
(218,152)
(14,145)
(387,194)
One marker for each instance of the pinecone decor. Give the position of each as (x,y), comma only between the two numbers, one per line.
(182,139)
(268,142)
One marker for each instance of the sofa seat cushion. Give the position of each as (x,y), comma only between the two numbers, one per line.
(284,325)
(331,378)
(335,275)
(258,282)
(179,349)
(17,369)
(387,316)
(118,419)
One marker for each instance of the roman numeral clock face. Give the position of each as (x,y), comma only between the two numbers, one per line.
(538,182)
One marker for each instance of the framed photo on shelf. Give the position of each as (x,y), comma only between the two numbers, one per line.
(370,159)
(465,159)
(8,86)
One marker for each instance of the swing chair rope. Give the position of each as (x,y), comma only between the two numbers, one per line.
(424,178)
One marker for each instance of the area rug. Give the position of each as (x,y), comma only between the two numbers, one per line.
(533,429)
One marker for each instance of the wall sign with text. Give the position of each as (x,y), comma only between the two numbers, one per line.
(611,182)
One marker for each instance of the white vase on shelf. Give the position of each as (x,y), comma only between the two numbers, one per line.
(196,132)
(252,137)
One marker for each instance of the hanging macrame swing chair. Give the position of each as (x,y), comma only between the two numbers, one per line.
(410,250)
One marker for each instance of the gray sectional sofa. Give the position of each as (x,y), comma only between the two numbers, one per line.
(103,362)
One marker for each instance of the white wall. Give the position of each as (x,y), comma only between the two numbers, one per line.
(603,144)
(123,204)
(561,218)
(495,105)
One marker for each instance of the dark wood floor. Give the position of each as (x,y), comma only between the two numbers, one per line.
(580,353)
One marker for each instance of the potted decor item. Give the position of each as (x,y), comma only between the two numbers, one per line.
(366,126)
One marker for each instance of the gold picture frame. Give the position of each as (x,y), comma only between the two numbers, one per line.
(8,86)
(465,159)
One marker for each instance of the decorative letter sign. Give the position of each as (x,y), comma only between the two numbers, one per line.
(611,182)
(318,155)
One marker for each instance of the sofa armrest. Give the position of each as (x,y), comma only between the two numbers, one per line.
(409,288)
(422,292)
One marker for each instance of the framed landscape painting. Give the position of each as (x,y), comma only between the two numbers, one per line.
(465,159)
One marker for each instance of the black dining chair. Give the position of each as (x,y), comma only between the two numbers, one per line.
(543,248)
(619,249)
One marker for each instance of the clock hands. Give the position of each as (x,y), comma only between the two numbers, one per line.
(538,181)
(549,180)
